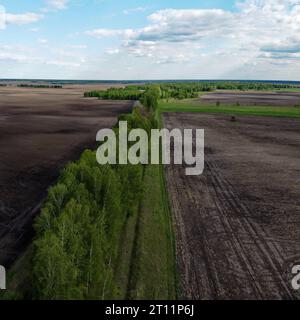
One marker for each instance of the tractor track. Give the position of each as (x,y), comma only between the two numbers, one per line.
(223,250)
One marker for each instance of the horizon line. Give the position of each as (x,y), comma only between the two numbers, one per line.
(146,80)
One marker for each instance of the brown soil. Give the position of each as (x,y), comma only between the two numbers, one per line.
(40,131)
(252,98)
(237,225)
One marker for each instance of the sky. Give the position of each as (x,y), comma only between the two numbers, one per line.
(157,39)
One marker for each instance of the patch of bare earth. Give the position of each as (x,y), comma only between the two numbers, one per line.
(41,130)
(238,224)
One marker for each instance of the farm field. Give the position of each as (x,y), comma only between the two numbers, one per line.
(234,227)
(40,131)
(283,99)
(237,225)
(149,154)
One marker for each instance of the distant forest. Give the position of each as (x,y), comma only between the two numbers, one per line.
(182,90)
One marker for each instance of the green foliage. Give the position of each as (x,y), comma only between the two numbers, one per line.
(150,93)
(151,97)
(78,231)
(128,93)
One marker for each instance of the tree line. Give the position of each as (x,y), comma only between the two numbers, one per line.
(41,86)
(78,231)
(127,93)
(180,90)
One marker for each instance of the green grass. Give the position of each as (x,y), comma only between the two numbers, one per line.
(292,112)
(122,270)
(146,266)
(288,90)
(153,274)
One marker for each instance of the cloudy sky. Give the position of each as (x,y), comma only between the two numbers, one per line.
(157,39)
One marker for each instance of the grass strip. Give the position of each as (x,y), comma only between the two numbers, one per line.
(153,268)
(289,112)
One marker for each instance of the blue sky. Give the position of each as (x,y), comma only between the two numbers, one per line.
(109,39)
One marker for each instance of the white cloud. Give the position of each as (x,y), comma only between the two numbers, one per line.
(17,19)
(105,33)
(134,10)
(56,4)
(76,46)
(186,25)
(112,50)
(42,41)
(17,53)
(249,31)
(2,18)
(62,63)
(289,46)
(35,62)
(24,18)
(177,58)
(34,29)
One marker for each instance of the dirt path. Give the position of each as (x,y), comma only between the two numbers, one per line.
(238,232)
(41,131)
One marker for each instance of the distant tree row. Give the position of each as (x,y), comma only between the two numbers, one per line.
(188,90)
(147,95)
(177,90)
(116,94)
(42,86)
(183,90)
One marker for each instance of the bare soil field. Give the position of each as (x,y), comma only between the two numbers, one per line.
(253,98)
(238,224)
(40,131)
